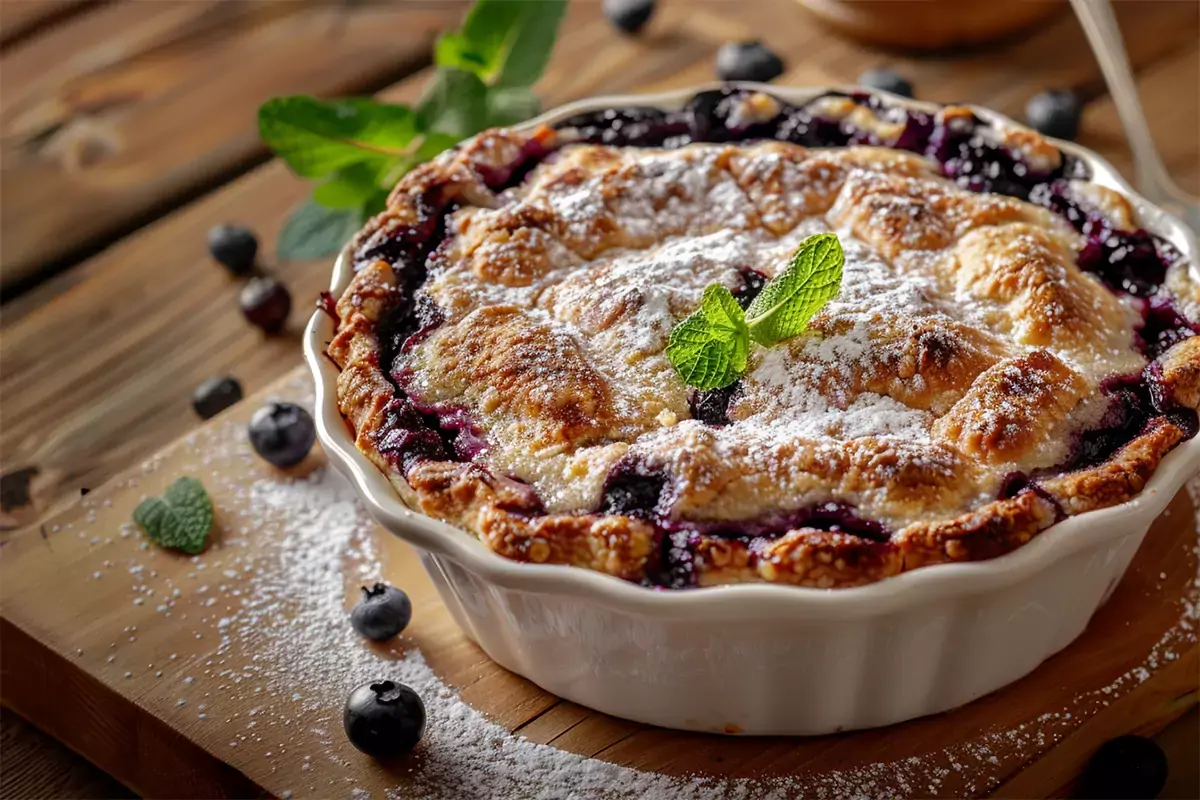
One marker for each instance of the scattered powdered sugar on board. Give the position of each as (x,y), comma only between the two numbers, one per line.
(285,656)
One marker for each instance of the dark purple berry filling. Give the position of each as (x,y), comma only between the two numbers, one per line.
(1162,327)
(328,303)
(752,283)
(627,127)
(834,516)
(635,490)
(407,436)
(1132,263)
(673,561)
(711,406)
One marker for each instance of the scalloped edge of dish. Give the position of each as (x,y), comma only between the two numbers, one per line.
(906,589)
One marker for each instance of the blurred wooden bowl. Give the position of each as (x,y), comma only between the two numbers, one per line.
(931,24)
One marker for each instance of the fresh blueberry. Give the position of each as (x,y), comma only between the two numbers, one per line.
(1127,767)
(265,303)
(886,80)
(215,395)
(282,433)
(383,612)
(628,15)
(384,718)
(748,61)
(234,247)
(1055,113)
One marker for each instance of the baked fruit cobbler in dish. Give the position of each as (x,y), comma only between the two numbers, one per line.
(1008,346)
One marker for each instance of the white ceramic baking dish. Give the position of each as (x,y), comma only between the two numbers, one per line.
(761,658)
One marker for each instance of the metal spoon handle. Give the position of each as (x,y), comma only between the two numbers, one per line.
(1100,25)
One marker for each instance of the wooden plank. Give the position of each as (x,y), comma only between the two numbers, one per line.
(115,115)
(158,410)
(136,748)
(140,325)
(1172,122)
(20,18)
(32,764)
(1135,668)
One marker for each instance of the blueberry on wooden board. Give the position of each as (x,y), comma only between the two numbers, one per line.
(628,15)
(215,395)
(265,303)
(886,80)
(1128,767)
(282,433)
(748,61)
(384,718)
(1055,113)
(382,613)
(234,247)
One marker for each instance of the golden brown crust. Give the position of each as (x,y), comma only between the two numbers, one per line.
(986,532)
(966,344)
(1012,406)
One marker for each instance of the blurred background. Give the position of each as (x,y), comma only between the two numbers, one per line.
(128,130)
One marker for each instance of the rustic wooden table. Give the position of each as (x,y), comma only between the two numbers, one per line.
(127,130)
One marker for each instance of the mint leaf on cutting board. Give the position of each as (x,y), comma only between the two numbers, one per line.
(181,519)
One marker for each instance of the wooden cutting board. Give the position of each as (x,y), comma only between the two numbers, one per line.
(225,674)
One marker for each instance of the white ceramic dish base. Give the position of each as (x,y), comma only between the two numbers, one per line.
(761,658)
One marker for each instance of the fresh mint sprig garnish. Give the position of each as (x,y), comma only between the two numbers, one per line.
(709,349)
(181,519)
(359,148)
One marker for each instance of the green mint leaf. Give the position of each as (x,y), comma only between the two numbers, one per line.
(786,304)
(507,107)
(317,138)
(181,519)
(433,143)
(315,231)
(709,348)
(455,103)
(354,185)
(504,42)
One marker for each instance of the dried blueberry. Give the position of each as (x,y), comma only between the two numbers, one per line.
(384,718)
(1055,113)
(265,303)
(383,612)
(886,80)
(628,15)
(215,395)
(748,61)
(234,247)
(1126,767)
(282,433)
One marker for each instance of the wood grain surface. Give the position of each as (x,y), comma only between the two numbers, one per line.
(137,677)
(20,18)
(98,362)
(132,105)
(147,320)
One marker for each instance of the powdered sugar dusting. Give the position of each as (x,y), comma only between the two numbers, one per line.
(607,249)
(270,597)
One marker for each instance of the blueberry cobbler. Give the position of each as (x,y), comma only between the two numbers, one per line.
(1007,346)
